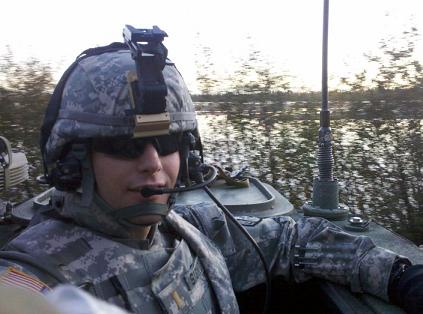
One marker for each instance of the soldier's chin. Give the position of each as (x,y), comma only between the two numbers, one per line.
(146,220)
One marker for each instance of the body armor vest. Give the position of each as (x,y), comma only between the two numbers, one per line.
(181,272)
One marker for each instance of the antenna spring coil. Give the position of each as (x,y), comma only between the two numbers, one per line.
(325,161)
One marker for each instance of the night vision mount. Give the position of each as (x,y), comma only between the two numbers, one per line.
(147,86)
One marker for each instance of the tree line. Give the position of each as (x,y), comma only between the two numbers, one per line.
(28,83)
(398,75)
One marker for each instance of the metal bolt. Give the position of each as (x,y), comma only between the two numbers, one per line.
(356,220)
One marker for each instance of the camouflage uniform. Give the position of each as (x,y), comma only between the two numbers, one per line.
(195,259)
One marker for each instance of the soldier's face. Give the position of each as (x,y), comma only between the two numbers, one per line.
(119,180)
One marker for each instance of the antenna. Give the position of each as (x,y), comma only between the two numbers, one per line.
(325,187)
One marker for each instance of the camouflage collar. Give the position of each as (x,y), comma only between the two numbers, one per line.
(95,217)
(140,244)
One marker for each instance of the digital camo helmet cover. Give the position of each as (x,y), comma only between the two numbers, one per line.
(96,102)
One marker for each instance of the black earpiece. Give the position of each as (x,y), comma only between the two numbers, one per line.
(191,162)
(67,174)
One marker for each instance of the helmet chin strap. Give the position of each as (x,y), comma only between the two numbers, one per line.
(124,215)
(81,152)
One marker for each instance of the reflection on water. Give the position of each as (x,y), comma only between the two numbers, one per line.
(378,153)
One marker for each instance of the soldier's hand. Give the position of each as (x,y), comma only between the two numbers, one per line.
(407,290)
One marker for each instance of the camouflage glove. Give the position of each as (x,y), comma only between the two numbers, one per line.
(406,287)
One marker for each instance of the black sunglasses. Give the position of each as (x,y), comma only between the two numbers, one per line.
(132,148)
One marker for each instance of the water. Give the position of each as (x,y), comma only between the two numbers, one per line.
(378,152)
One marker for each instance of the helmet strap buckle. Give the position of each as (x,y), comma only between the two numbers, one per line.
(80,151)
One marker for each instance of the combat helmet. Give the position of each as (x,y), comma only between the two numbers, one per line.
(123,90)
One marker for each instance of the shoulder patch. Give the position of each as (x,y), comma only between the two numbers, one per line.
(248,221)
(14,277)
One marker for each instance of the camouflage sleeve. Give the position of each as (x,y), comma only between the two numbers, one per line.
(310,247)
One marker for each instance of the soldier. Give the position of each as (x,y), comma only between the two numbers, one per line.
(140,251)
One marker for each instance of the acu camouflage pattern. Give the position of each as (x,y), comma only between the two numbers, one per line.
(179,273)
(96,102)
(93,216)
(310,247)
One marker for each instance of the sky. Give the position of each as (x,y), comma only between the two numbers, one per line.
(288,33)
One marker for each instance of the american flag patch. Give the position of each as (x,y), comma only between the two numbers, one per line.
(13,277)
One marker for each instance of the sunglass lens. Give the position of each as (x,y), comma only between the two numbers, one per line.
(133,148)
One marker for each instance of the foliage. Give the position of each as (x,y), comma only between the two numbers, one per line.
(399,75)
(357,83)
(254,76)
(206,76)
(26,83)
(397,69)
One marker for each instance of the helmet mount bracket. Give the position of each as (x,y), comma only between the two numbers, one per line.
(146,125)
(147,86)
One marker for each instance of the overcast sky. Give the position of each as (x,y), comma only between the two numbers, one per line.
(287,32)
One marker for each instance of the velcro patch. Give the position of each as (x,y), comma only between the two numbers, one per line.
(14,277)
